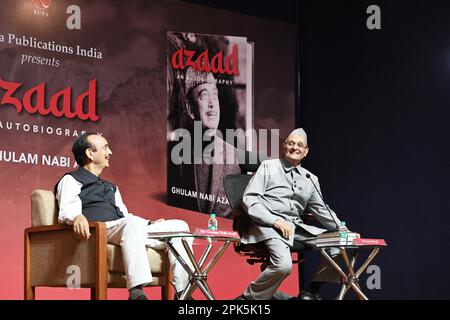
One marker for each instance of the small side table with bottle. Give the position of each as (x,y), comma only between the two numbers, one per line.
(198,273)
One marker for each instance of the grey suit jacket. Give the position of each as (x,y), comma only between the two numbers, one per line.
(281,191)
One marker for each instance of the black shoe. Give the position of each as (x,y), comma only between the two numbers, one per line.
(137,294)
(305,295)
(241,297)
(280,295)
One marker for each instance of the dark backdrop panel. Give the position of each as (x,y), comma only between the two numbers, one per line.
(376,107)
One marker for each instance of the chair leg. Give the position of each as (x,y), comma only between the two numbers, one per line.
(165,293)
(166,288)
(101,271)
(30,293)
(99,292)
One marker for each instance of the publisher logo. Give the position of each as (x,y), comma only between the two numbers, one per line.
(42,4)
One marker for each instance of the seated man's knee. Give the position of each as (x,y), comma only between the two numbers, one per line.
(283,267)
(180,225)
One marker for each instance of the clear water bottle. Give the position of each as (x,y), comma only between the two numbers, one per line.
(343,234)
(212,222)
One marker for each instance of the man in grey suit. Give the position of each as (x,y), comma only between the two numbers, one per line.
(275,199)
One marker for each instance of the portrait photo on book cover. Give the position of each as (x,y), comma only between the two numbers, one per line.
(209,87)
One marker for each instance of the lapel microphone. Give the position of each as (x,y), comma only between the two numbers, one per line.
(326,206)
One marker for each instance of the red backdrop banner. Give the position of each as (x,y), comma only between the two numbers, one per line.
(67,67)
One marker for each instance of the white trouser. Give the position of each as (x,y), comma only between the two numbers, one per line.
(131,234)
(180,276)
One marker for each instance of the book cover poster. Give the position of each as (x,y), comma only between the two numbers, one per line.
(209,82)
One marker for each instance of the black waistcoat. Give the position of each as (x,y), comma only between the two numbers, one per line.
(97,197)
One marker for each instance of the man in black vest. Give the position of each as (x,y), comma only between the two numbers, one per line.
(83,196)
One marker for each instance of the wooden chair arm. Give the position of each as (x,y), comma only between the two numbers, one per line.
(99,228)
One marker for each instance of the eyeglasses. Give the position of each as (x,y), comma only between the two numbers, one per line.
(299,144)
